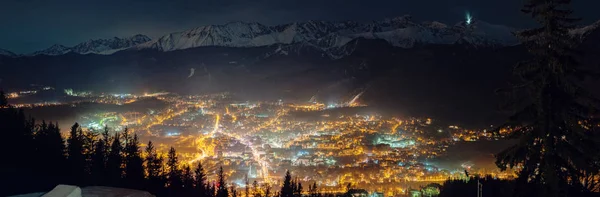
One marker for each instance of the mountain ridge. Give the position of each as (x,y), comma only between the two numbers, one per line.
(399,31)
(4,52)
(326,36)
(95,46)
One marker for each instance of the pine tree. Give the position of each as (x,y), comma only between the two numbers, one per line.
(212,190)
(75,157)
(313,190)
(89,142)
(51,152)
(188,180)
(287,189)
(124,143)
(554,125)
(17,167)
(233,191)
(162,175)
(154,167)
(26,158)
(267,189)
(151,167)
(348,187)
(247,182)
(256,190)
(294,185)
(174,178)
(134,164)
(200,180)
(222,186)
(106,137)
(114,162)
(298,189)
(3,100)
(98,158)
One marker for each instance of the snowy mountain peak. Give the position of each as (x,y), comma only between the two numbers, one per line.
(403,19)
(4,52)
(107,46)
(482,33)
(97,46)
(436,25)
(56,49)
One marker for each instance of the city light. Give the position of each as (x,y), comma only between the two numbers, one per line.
(262,139)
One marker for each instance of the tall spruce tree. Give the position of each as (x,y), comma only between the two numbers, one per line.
(89,142)
(188,181)
(298,189)
(287,189)
(256,190)
(212,190)
(174,179)
(17,174)
(200,180)
(26,156)
(98,159)
(267,189)
(114,162)
(247,188)
(555,124)
(106,137)
(162,175)
(221,184)
(76,159)
(154,168)
(134,164)
(151,156)
(313,190)
(50,152)
(233,191)
(3,100)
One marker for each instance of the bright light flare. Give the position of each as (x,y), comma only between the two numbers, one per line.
(468,18)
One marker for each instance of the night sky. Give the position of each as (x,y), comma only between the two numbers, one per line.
(30,25)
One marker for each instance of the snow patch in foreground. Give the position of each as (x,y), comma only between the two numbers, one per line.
(91,191)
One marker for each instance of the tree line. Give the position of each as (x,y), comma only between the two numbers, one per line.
(36,158)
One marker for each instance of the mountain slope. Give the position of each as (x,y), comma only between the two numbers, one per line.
(7,53)
(583,32)
(105,46)
(53,50)
(98,46)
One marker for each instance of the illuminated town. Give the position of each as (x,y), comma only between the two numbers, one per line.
(300,98)
(333,145)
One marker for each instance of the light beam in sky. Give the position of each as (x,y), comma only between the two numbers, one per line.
(468,18)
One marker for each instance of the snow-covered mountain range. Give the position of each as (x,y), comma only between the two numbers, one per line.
(325,36)
(400,32)
(98,46)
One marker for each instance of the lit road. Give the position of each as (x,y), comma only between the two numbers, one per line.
(264,165)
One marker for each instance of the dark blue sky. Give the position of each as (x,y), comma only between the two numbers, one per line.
(29,25)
